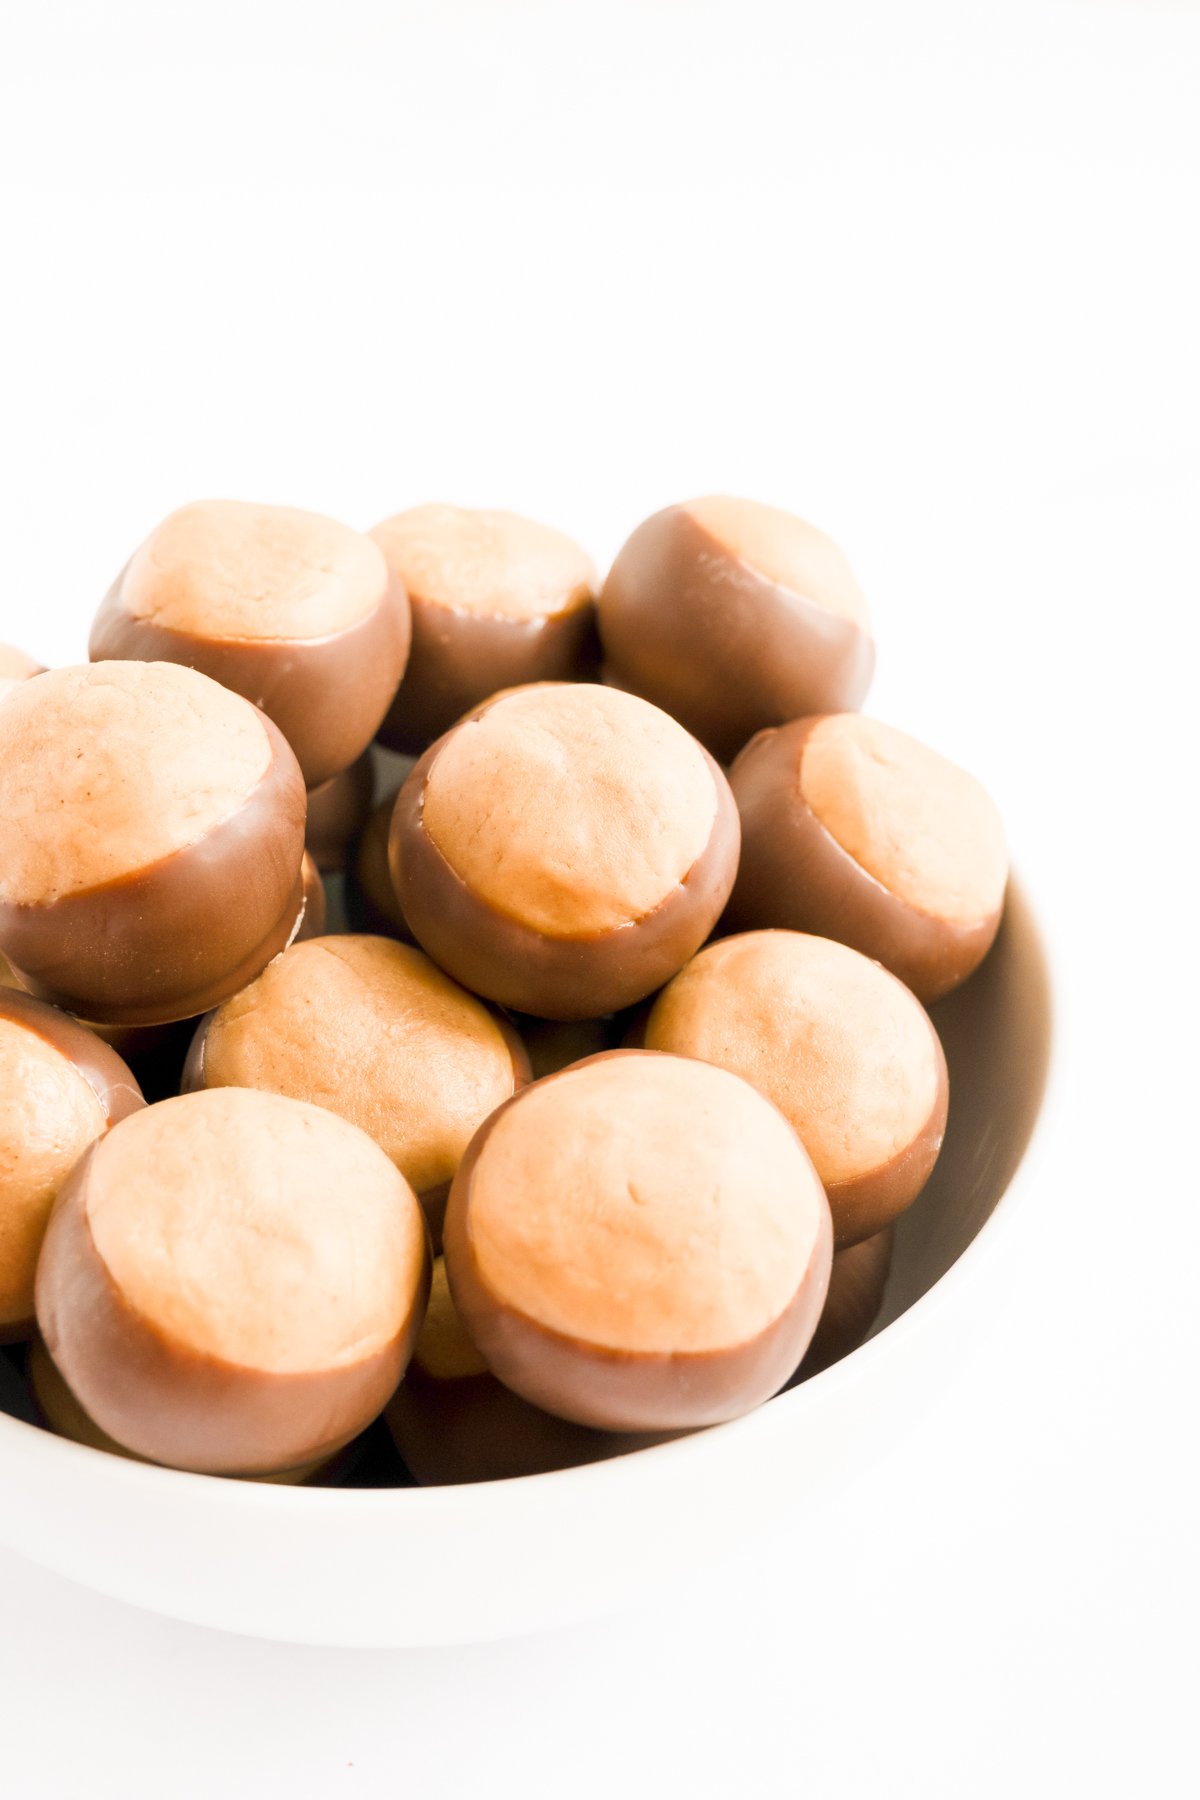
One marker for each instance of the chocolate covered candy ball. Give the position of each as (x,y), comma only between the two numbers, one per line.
(453,1422)
(374,1031)
(151,836)
(732,616)
(858,832)
(639,1243)
(60,1090)
(497,601)
(232,1281)
(564,849)
(843,1049)
(294,611)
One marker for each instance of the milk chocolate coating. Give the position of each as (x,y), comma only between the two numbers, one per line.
(459,659)
(553,977)
(794,874)
(473,1428)
(171,940)
(612,1389)
(61,1413)
(165,1401)
(719,645)
(371,903)
(856,1288)
(433,1199)
(327,695)
(337,812)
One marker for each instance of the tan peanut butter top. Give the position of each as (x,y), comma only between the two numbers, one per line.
(786,550)
(49,1114)
(841,1047)
(924,828)
(645,1203)
(573,808)
(257,1229)
(109,767)
(496,564)
(233,570)
(374,1031)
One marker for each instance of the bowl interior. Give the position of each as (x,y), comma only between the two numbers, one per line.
(996,1030)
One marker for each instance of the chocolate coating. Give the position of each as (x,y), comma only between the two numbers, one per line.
(371,1030)
(721,645)
(326,694)
(857,1284)
(61,1413)
(555,977)
(613,1387)
(171,940)
(371,903)
(337,812)
(794,874)
(156,1394)
(464,652)
(459,1424)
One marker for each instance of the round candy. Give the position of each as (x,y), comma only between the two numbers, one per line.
(856,831)
(232,1282)
(60,1089)
(497,601)
(292,610)
(564,849)
(639,1243)
(372,1030)
(733,616)
(453,1422)
(843,1049)
(151,835)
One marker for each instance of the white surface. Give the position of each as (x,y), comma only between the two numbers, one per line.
(926,274)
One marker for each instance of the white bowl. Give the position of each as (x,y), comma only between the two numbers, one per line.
(447,1565)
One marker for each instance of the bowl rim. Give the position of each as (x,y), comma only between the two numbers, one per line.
(462,1503)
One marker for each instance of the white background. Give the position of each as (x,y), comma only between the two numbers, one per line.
(927,275)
